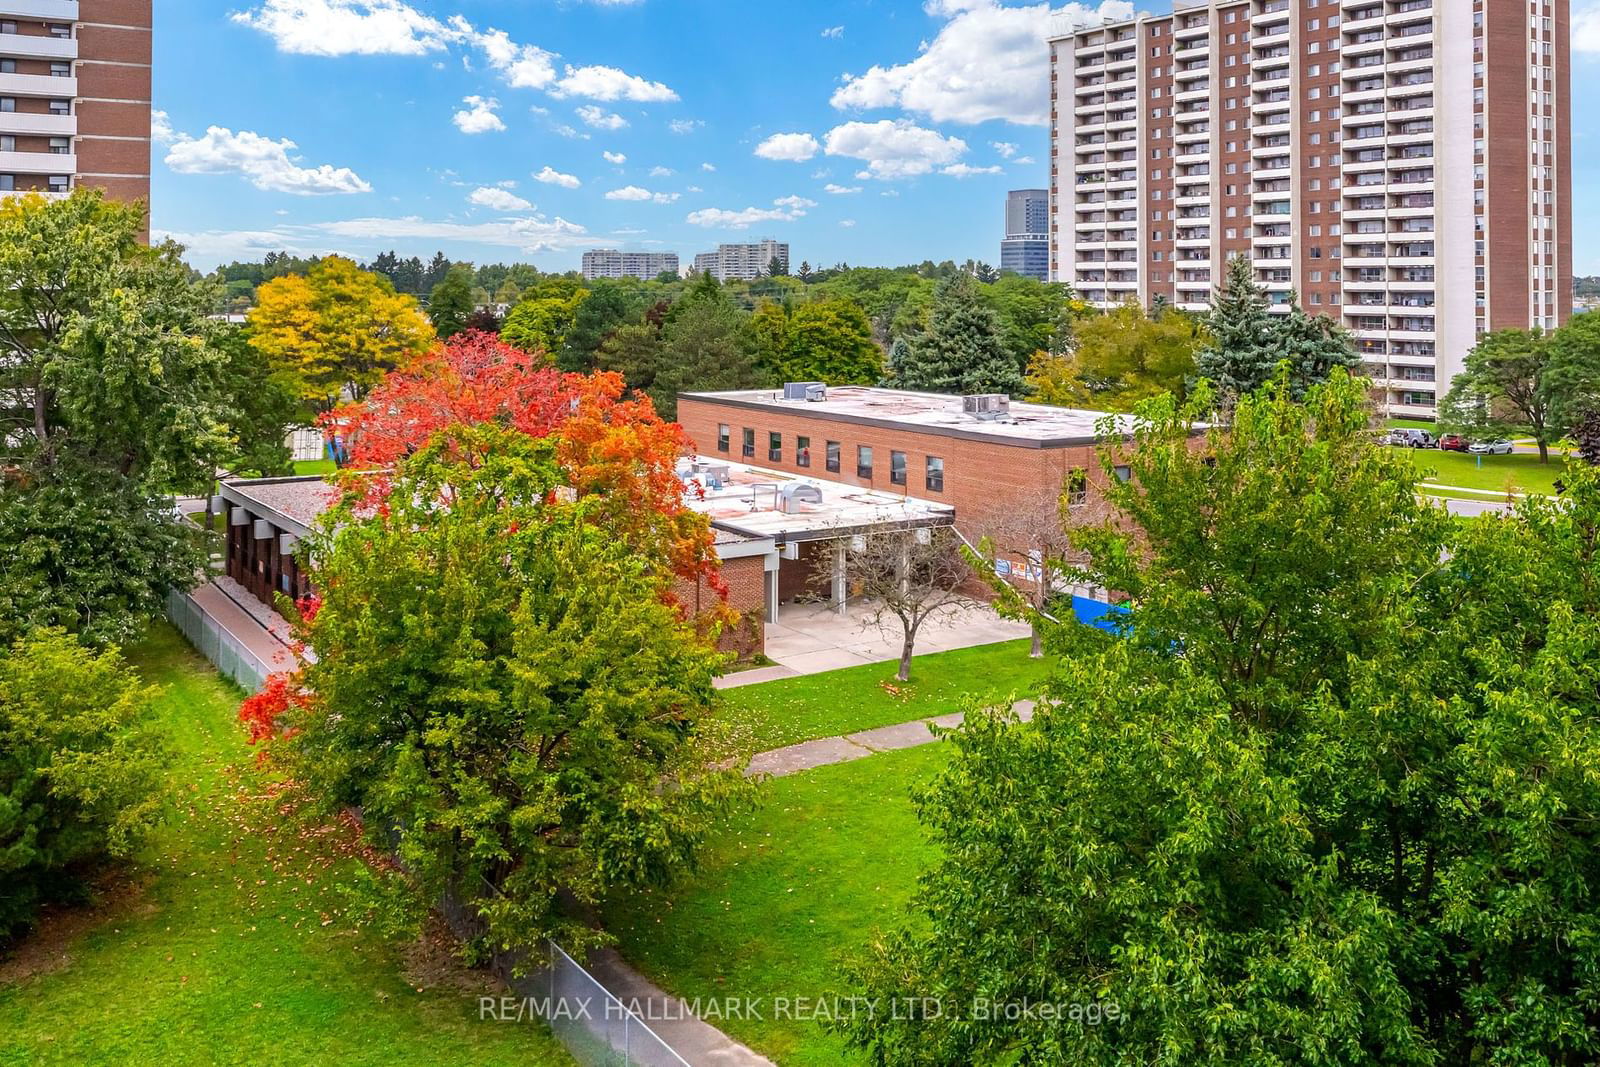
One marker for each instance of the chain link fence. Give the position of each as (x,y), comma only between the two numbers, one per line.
(598,1029)
(216,644)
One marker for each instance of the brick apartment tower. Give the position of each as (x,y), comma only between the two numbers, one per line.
(1403,165)
(75,96)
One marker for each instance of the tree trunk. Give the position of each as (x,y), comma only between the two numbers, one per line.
(1544,451)
(1037,651)
(905,656)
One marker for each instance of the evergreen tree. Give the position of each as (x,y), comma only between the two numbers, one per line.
(1240,358)
(961,351)
(437,269)
(1313,346)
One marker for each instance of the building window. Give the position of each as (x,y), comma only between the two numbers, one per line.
(58,29)
(61,107)
(935,474)
(8,183)
(1077,487)
(8,143)
(897,468)
(832,459)
(61,70)
(59,182)
(8,26)
(60,146)
(802,451)
(8,103)
(8,66)
(749,443)
(723,434)
(775,447)
(864,462)
(1123,472)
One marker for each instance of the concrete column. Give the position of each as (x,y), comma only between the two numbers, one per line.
(841,587)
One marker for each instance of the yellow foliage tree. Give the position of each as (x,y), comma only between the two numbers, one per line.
(336,330)
(1119,358)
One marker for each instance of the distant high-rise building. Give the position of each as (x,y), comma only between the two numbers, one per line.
(1025,248)
(743,262)
(75,96)
(610,263)
(1404,166)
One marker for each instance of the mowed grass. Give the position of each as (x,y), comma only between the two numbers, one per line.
(784,895)
(790,710)
(1519,472)
(228,941)
(305,468)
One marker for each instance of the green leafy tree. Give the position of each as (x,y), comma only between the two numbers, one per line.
(822,341)
(541,322)
(961,351)
(504,684)
(1313,347)
(1120,358)
(80,770)
(1314,804)
(637,352)
(450,304)
(1516,381)
(1240,358)
(708,346)
(607,307)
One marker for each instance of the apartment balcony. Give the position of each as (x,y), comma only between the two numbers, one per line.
(38,163)
(16,122)
(37,46)
(38,85)
(43,10)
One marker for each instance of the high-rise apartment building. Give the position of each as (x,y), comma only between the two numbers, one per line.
(610,263)
(743,262)
(1402,165)
(75,96)
(1025,248)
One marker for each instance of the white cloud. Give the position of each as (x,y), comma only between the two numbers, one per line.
(693,189)
(1023,161)
(634,192)
(523,66)
(847,223)
(347,27)
(1005,148)
(600,119)
(1586,29)
(963,170)
(478,116)
(534,234)
(161,131)
(790,147)
(841,190)
(893,149)
(709,168)
(609,83)
(616,158)
(834,31)
(567,131)
(787,209)
(661,172)
(987,62)
(266,163)
(685,125)
(499,200)
(551,176)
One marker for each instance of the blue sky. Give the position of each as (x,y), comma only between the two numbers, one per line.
(868,131)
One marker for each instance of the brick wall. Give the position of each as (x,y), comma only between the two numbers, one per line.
(746,579)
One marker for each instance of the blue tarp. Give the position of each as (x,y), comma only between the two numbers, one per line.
(1098,613)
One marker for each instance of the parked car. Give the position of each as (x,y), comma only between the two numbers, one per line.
(1492,448)
(1454,442)
(1408,438)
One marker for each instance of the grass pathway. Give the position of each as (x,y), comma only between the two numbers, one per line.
(230,943)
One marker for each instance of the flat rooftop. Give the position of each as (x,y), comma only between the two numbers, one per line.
(753,502)
(299,501)
(1026,425)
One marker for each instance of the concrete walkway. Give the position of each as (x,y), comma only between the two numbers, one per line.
(805,756)
(697,1041)
(813,638)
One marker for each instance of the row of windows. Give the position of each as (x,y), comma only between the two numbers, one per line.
(833,457)
(56,183)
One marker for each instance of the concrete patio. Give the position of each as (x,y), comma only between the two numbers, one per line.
(812,638)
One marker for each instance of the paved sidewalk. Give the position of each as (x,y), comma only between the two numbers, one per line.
(823,752)
(697,1041)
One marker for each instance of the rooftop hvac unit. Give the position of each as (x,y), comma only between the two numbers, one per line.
(791,496)
(812,391)
(987,405)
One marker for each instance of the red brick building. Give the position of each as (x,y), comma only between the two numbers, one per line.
(985,457)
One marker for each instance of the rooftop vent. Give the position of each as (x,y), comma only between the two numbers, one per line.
(794,494)
(990,407)
(812,392)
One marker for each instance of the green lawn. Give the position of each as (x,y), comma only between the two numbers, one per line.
(1524,472)
(227,943)
(785,712)
(783,894)
(304,468)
